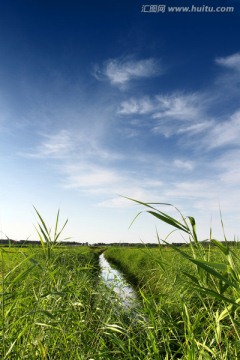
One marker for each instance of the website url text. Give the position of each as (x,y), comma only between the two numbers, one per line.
(187,9)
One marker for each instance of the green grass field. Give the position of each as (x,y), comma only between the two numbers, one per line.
(58,308)
(54,304)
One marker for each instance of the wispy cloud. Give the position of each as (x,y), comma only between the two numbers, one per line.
(224,133)
(56,146)
(227,82)
(175,106)
(135,106)
(75,144)
(230,62)
(90,168)
(194,118)
(196,128)
(178,106)
(174,114)
(121,71)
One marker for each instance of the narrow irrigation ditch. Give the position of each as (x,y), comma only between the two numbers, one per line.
(114,280)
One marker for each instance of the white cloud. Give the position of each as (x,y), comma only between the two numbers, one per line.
(122,70)
(175,114)
(185,115)
(175,106)
(231,62)
(181,114)
(224,133)
(56,146)
(196,128)
(79,143)
(185,130)
(137,106)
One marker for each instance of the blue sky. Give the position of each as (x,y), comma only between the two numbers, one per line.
(99,100)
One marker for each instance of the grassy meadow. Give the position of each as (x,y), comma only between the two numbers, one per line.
(55,305)
(191,308)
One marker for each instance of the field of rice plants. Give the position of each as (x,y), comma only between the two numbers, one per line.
(55,305)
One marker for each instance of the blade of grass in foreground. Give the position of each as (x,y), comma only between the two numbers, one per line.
(162,216)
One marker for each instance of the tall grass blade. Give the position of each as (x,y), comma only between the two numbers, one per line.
(169,220)
(42,222)
(163,216)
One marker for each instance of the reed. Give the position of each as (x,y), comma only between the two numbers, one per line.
(205,285)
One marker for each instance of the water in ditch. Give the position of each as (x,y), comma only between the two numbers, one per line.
(117,283)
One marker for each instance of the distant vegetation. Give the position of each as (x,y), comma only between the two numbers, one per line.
(22,243)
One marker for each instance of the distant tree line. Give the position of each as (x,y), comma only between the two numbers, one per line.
(22,243)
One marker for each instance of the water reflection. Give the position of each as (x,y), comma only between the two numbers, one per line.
(114,280)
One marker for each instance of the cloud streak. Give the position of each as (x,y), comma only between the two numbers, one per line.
(183,107)
(168,115)
(230,62)
(225,133)
(121,71)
